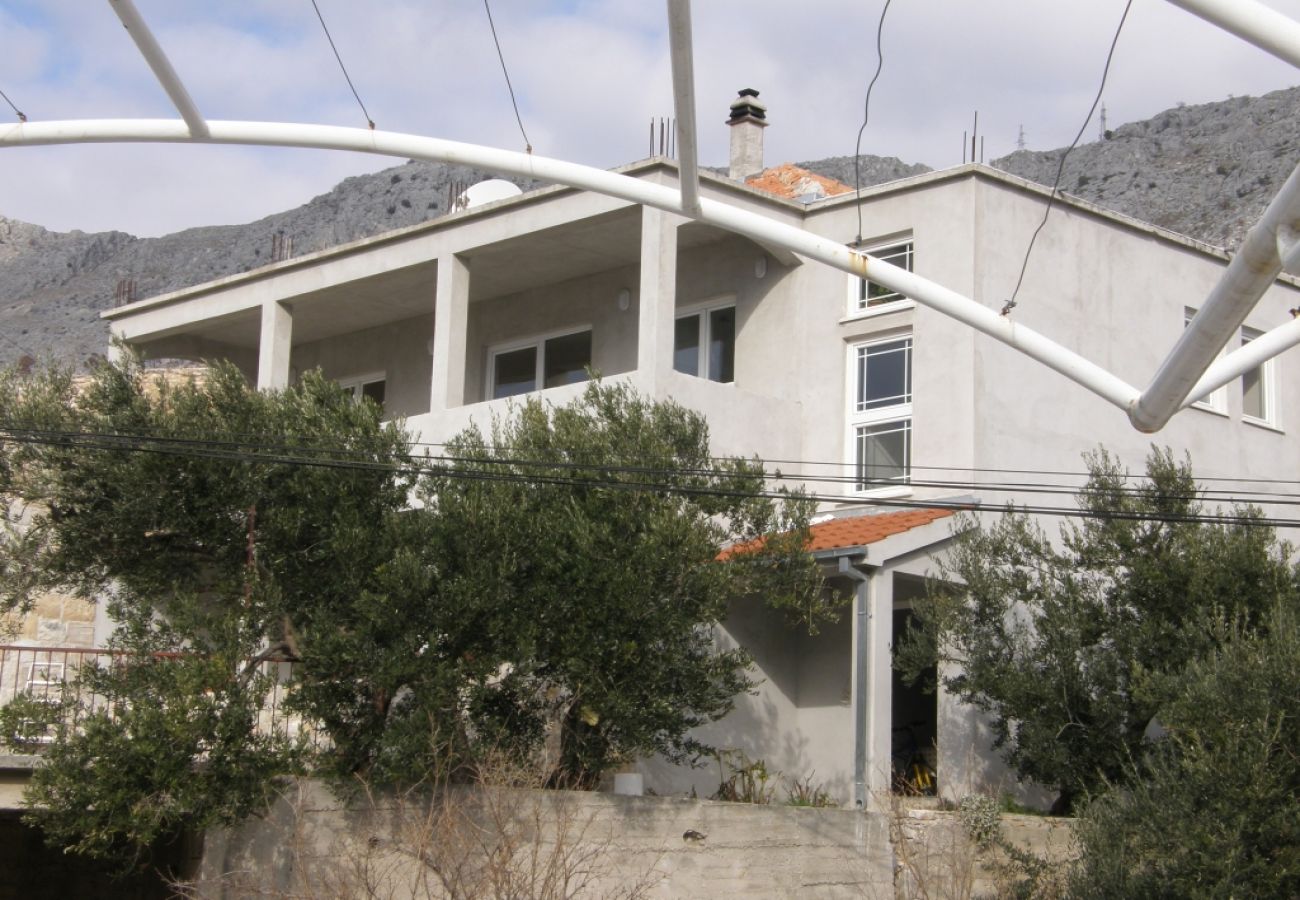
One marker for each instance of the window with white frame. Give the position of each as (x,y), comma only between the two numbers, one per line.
(372,386)
(1217,400)
(541,363)
(865,294)
(880,412)
(704,343)
(1258,390)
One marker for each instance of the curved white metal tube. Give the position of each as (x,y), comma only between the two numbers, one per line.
(1251,272)
(1253,22)
(1239,362)
(679,40)
(153,54)
(712,212)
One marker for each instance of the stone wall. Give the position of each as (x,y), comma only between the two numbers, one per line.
(314,845)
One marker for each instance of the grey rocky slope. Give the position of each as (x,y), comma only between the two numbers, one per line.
(1205,171)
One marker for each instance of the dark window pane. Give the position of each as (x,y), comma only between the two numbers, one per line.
(686,345)
(722,344)
(872,294)
(514,373)
(884,454)
(374,390)
(885,374)
(567,359)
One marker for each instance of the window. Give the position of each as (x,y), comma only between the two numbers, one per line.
(865,294)
(880,414)
(371,386)
(1217,400)
(549,362)
(1258,399)
(704,344)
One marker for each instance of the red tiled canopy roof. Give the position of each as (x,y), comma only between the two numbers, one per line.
(861,530)
(856,531)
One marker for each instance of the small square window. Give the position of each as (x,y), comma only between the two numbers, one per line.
(714,329)
(366,387)
(866,293)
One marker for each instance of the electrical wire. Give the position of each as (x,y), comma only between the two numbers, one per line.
(866,115)
(260,445)
(528,146)
(22,116)
(490,470)
(346,76)
(1060,170)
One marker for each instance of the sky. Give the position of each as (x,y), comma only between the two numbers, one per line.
(589,77)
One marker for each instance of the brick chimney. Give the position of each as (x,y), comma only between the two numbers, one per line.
(747,121)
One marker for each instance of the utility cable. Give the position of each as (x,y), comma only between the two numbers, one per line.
(255,450)
(346,76)
(866,115)
(490,471)
(528,147)
(1060,170)
(22,116)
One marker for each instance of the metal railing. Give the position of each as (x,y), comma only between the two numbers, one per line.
(50,675)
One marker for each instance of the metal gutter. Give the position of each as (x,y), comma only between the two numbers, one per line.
(861,636)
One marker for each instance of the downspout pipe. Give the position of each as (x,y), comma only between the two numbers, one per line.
(861,609)
(1269,244)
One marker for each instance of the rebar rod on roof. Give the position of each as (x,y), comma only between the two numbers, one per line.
(153,54)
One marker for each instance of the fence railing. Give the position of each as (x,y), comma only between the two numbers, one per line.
(50,675)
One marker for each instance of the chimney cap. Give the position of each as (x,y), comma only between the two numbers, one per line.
(747,108)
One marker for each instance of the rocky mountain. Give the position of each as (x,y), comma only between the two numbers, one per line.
(1205,171)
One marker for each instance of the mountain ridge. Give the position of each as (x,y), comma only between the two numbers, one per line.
(1205,171)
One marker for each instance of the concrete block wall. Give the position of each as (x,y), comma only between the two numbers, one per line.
(612,845)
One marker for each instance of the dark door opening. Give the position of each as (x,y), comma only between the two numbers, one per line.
(915,726)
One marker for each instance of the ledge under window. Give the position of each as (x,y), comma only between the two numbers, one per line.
(883,310)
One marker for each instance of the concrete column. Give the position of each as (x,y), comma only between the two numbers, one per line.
(879,682)
(115,353)
(450,333)
(274,347)
(657,300)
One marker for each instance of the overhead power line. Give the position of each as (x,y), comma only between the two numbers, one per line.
(553,473)
(866,115)
(1060,169)
(346,76)
(22,116)
(528,146)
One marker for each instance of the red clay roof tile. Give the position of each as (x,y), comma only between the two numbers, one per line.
(791,182)
(857,531)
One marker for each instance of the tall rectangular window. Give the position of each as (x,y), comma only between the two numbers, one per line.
(1258,400)
(704,343)
(548,362)
(865,293)
(880,414)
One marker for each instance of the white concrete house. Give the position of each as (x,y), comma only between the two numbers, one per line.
(443,322)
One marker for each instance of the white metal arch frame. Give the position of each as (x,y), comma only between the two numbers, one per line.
(1186,374)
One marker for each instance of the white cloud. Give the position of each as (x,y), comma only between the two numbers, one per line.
(589,76)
